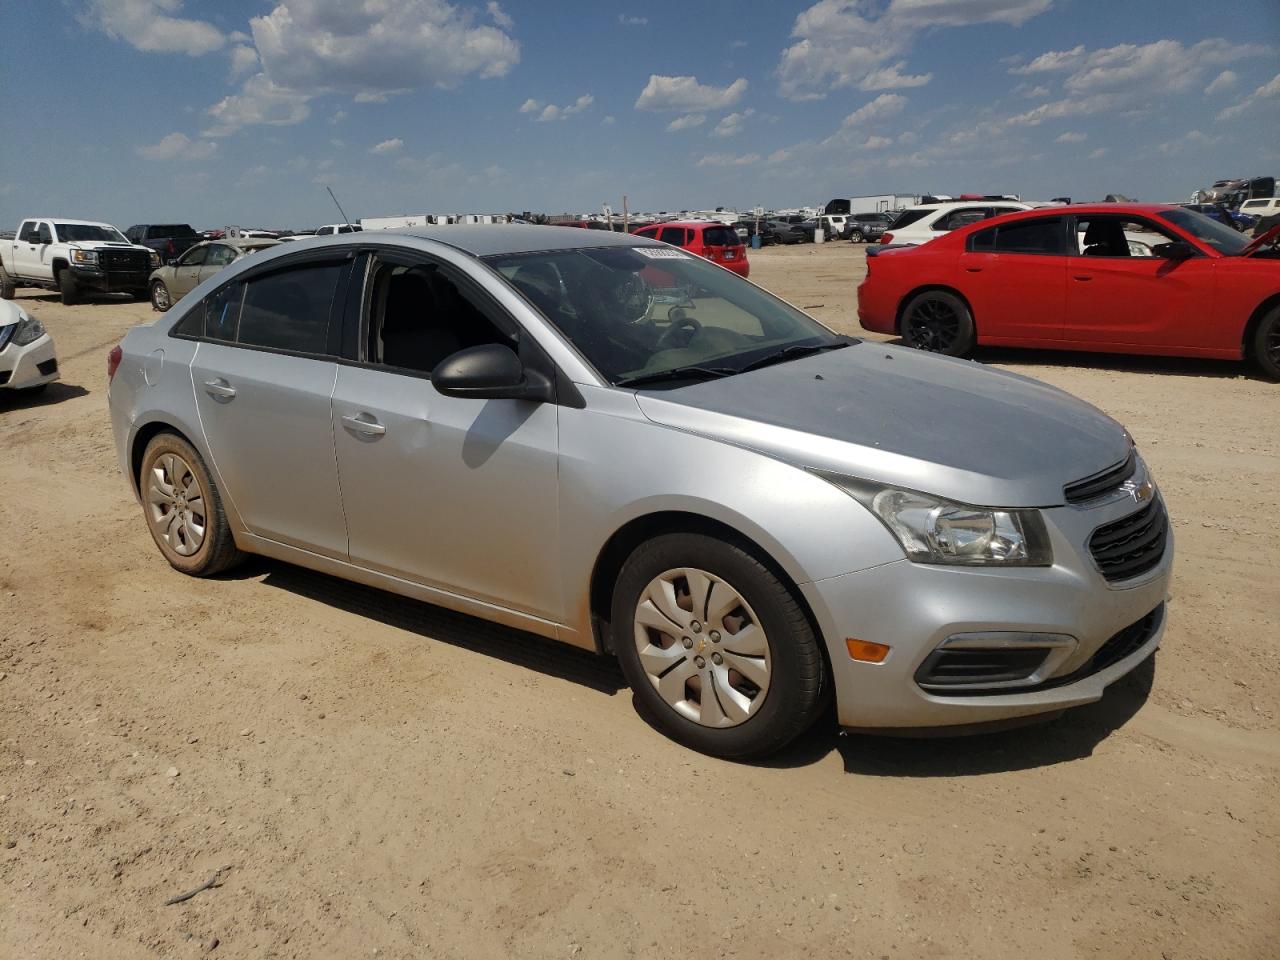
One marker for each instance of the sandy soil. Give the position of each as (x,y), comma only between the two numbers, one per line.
(378,777)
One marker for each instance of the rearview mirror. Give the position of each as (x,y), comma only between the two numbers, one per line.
(1174,250)
(491,371)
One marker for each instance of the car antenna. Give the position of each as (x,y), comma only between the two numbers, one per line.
(338,205)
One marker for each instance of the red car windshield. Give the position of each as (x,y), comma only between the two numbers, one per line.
(1226,240)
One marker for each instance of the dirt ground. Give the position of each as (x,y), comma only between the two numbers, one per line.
(376,777)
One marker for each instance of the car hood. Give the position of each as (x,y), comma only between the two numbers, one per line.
(1259,242)
(104,245)
(902,417)
(10,313)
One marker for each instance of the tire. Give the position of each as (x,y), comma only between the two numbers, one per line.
(758,709)
(7,287)
(1266,345)
(856,237)
(938,321)
(160,299)
(67,287)
(191,548)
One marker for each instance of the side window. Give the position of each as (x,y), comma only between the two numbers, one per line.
(222,312)
(1111,236)
(45,234)
(220,255)
(29,232)
(1030,236)
(650,232)
(194,257)
(290,310)
(961,218)
(324,231)
(673,235)
(420,314)
(984,241)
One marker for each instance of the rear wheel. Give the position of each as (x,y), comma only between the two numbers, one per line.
(7,287)
(856,236)
(716,647)
(68,288)
(938,321)
(160,296)
(184,509)
(1266,345)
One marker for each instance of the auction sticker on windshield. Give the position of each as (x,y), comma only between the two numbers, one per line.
(661,253)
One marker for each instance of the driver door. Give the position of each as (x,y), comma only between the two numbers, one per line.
(219,256)
(186,273)
(458,494)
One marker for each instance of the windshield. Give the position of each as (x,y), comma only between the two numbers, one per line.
(169,230)
(1226,240)
(640,311)
(88,233)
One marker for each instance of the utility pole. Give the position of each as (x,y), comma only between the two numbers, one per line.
(626,216)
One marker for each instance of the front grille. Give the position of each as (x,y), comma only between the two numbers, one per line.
(1101,483)
(1132,545)
(136,260)
(947,667)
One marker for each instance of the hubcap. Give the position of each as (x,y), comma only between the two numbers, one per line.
(175,504)
(702,647)
(932,325)
(160,296)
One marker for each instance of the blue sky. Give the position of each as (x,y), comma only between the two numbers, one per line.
(242,111)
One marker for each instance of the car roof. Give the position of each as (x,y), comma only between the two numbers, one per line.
(1143,209)
(487,240)
(245,243)
(961,204)
(691,223)
(74,223)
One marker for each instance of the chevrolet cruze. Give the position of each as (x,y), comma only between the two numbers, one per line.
(611,442)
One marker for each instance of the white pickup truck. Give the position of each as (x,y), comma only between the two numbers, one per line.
(74,257)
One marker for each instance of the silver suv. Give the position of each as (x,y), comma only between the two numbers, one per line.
(613,443)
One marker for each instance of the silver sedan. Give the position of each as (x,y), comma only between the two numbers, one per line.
(618,445)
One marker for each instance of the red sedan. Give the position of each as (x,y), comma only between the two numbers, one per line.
(1116,278)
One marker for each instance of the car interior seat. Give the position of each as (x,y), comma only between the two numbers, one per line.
(413,335)
(1105,238)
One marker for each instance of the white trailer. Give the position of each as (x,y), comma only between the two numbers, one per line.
(406,220)
(878,202)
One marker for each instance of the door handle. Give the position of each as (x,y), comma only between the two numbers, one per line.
(973,269)
(369,427)
(1083,279)
(219,389)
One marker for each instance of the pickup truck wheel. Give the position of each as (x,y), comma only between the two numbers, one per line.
(67,287)
(160,296)
(7,287)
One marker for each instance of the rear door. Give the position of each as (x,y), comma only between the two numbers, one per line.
(26,250)
(1014,276)
(264,374)
(459,494)
(1120,292)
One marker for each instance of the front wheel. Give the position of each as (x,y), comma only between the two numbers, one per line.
(184,509)
(940,322)
(68,288)
(716,647)
(856,236)
(160,296)
(1266,345)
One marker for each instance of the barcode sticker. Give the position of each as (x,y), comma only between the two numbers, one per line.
(661,253)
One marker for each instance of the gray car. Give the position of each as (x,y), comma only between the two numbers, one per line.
(182,274)
(613,443)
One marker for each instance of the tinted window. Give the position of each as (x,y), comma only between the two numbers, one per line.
(720,237)
(45,234)
(290,310)
(908,217)
(28,232)
(193,257)
(961,218)
(222,312)
(169,230)
(1030,236)
(673,235)
(984,241)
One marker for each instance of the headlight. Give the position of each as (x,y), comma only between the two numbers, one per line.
(29,331)
(155,259)
(84,256)
(934,530)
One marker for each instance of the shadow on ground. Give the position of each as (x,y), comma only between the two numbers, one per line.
(55,392)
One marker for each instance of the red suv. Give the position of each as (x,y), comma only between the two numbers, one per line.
(715,241)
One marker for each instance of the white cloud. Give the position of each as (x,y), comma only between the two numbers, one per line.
(627,21)
(259,101)
(1269,89)
(149,25)
(876,143)
(892,78)
(548,112)
(243,59)
(608,121)
(1032,93)
(1223,81)
(1191,138)
(1066,107)
(687,122)
(499,16)
(728,160)
(731,125)
(687,95)
(1071,137)
(844,43)
(1161,66)
(387,146)
(381,47)
(1098,154)
(885,105)
(338,116)
(1052,61)
(178,146)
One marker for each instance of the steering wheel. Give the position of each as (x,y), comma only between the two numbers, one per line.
(682,330)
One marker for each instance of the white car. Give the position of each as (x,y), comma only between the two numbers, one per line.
(27,358)
(917,225)
(1261,207)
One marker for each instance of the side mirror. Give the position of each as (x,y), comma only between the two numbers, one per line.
(171,262)
(1174,250)
(491,371)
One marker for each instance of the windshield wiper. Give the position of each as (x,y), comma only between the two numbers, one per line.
(793,352)
(679,373)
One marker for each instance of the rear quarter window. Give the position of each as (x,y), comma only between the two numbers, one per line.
(290,310)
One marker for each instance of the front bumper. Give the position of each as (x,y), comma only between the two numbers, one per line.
(914,608)
(97,280)
(28,366)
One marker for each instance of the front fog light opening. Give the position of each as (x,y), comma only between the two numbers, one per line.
(990,662)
